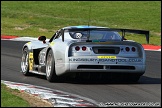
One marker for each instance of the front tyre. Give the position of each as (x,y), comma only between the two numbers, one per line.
(25,62)
(50,67)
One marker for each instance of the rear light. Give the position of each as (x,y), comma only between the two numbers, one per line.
(133,49)
(84,48)
(127,49)
(77,48)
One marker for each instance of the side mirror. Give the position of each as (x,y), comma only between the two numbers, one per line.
(42,38)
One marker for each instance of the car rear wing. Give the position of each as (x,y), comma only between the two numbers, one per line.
(145,32)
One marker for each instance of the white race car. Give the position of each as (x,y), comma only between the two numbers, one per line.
(85,50)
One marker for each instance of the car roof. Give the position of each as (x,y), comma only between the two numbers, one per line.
(82,26)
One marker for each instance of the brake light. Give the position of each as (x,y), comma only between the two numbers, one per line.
(77,48)
(133,49)
(127,49)
(84,48)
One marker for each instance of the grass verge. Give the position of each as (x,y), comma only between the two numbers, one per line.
(10,99)
(15,98)
(35,18)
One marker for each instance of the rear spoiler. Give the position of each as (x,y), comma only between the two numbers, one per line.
(145,32)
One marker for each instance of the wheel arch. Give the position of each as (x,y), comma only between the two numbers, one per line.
(52,77)
(28,45)
(47,52)
(24,47)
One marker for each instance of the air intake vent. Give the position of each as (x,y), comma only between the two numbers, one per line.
(90,67)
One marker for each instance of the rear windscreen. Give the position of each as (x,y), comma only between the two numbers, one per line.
(95,35)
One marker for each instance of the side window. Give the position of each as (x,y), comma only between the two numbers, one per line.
(58,34)
(55,36)
(52,37)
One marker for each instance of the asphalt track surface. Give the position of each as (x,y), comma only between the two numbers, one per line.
(148,88)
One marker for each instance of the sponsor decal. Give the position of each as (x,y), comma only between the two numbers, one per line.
(120,60)
(52,43)
(103,60)
(29,43)
(59,60)
(31,61)
(83,59)
(103,57)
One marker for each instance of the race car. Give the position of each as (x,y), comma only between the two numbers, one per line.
(89,51)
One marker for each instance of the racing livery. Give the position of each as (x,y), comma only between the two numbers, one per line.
(94,50)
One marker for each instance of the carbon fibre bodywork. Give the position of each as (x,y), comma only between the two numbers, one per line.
(78,55)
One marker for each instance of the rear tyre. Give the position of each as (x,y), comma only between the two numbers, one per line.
(25,62)
(50,67)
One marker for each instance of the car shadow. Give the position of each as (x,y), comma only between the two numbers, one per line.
(142,80)
(149,80)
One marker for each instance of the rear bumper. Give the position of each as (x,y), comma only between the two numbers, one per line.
(97,64)
(124,68)
(91,64)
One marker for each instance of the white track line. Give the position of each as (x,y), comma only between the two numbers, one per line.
(56,97)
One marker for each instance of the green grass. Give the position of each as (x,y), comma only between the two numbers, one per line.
(35,18)
(10,100)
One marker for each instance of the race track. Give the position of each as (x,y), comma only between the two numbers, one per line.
(148,89)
